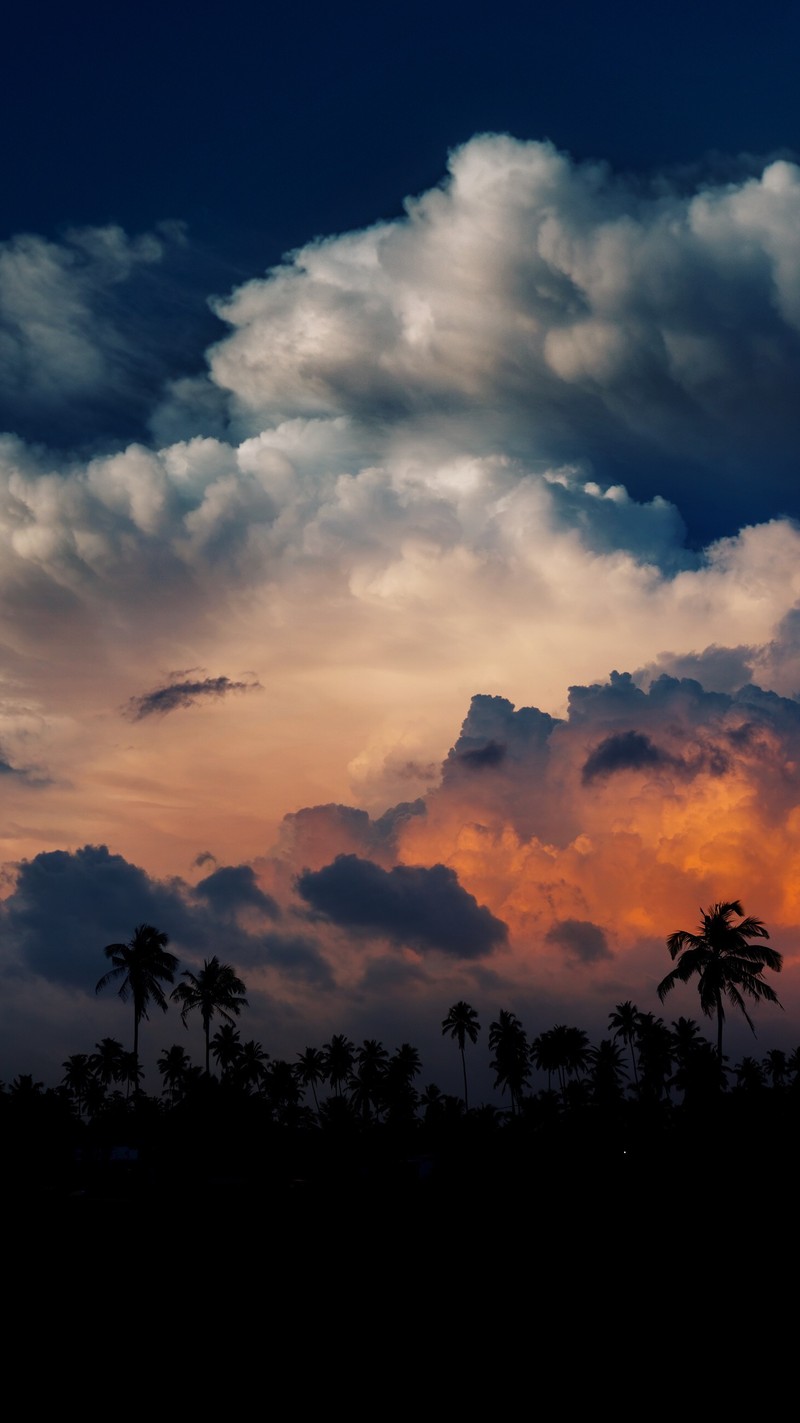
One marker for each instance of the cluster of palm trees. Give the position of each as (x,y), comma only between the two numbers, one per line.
(144,964)
(727,954)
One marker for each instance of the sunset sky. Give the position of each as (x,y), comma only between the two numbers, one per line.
(400,573)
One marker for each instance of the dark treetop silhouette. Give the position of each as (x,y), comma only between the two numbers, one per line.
(215,989)
(142,964)
(726,963)
(462,1023)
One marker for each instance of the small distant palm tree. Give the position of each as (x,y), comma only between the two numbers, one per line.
(656,1049)
(462,1023)
(339,1058)
(608,1072)
(251,1066)
(174,1065)
(77,1078)
(725,961)
(225,1047)
(366,1080)
(310,1070)
(215,989)
(140,966)
(776,1064)
(106,1061)
(750,1074)
(624,1022)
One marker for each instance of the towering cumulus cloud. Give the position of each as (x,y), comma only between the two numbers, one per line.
(543,425)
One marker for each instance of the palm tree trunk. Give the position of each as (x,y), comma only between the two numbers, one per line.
(464,1067)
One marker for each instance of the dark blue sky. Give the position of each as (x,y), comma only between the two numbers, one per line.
(262,126)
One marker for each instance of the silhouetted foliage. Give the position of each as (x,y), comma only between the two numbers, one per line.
(140,967)
(216,989)
(727,965)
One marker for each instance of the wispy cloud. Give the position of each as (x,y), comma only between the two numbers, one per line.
(177,696)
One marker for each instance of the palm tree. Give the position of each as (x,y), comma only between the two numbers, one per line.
(510,1064)
(142,965)
(77,1077)
(174,1065)
(462,1023)
(366,1081)
(251,1066)
(625,1023)
(311,1069)
(226,1047)
(215,989)
(106,1061)
(727,964)
(339,1058)
(608,1073)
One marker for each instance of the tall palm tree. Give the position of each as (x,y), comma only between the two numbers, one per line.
(366,1079)
(462,1023)
(625,1024)
(727,964)
(141,966)
(511,1062)
(215,989)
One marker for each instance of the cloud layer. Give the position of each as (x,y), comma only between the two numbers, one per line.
(450,455)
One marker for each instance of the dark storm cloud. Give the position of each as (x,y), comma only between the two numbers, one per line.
(234,887)
(625,751)
(489,755)
(426,908)
(495,735)
(582,941)
(66,907)
(298,958)
(179,695)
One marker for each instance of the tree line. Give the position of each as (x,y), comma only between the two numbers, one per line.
(642,1057)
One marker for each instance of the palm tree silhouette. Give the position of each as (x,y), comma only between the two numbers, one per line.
(174,1065)
(310,1070)
(251,1066)
(106,1061)
(215,989)
(77,1077)
(511,1062)
(339,1056)
(226,1046)
(727,964)
(625,1024)
(462,1023)
(142,965)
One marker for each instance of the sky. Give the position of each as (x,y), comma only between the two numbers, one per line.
(400,572)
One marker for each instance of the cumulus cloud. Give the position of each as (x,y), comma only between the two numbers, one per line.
(234,887)
(424,907)
(582,316)
(582,942)
(91,327)
(454,453)
(179,695)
